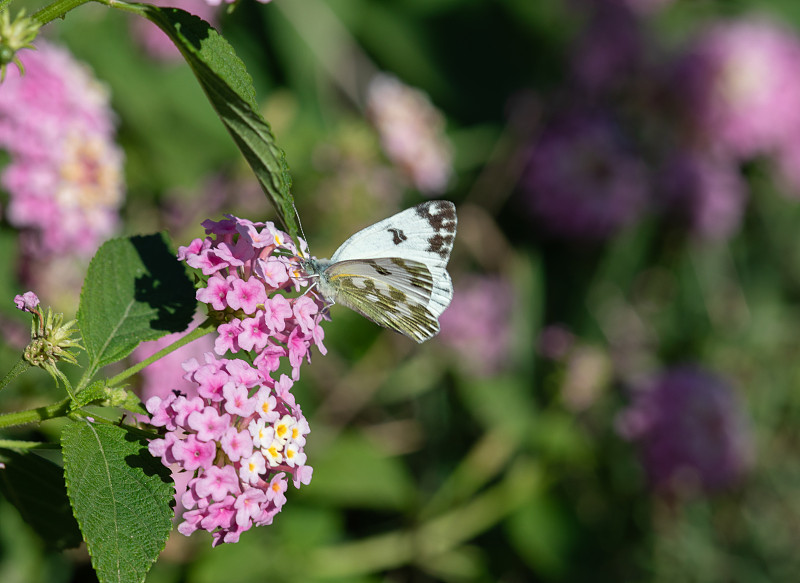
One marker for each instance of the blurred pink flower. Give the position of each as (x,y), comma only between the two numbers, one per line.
(65,176)
(155,42)
(690,430)
(582,179)
(707,193)
(221,2)
(740,85)
(477,325)
(787,167)
(165,375)
(412,132)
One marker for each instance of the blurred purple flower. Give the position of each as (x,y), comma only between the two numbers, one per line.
(477,326)
(638,6)
(555,342)
(610,48)
(707,193)
(582,181)
(65,176)
(412,132)
(690,430)
(647,7)
(740,85)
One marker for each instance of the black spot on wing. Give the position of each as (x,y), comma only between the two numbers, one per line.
(398,236)
(440,214)
(441,244)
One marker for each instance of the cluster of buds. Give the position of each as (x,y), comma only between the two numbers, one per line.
(51,338)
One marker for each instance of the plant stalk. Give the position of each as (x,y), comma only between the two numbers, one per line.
(198,332)
(59,409)
(57,9)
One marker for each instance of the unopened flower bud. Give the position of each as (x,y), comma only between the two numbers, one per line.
(15,36)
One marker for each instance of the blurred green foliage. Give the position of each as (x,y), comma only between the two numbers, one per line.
(423,469)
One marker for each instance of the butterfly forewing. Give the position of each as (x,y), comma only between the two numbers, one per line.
(424,233)
(391,291)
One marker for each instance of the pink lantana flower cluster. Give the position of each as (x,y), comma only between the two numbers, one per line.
(238,434)
(238,439)
(249,267)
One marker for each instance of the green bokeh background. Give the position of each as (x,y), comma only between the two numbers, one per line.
(424,470)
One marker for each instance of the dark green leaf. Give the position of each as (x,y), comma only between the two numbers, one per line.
(135,290)
(36,487)
(121,497)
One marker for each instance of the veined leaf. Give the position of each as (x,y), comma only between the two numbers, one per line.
(121,497)
(135,290)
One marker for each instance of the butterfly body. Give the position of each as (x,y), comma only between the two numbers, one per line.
(394,272)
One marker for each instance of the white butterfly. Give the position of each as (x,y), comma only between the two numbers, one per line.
(394,272)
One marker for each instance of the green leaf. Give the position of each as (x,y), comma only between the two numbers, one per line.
(35,486)
(121,497)
(135,290)
(229,88)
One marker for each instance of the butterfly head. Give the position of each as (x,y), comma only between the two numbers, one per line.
(313,267)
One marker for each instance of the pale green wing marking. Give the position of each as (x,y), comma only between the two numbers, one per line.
(392,292)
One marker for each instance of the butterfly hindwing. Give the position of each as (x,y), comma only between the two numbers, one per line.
(392,292)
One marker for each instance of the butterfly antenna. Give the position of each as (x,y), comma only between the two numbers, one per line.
(300,224)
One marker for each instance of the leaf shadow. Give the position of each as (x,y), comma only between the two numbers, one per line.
(36,487)
(144,460)
(164,286)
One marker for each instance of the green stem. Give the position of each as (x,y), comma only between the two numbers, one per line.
(19,368)
(57,9)
(198,332)
(134,7)
(59,409)
(26,445)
